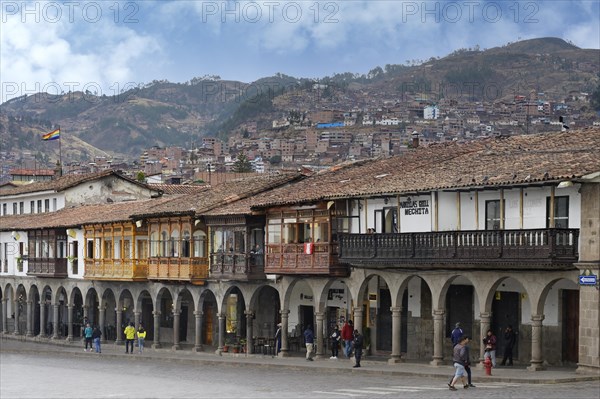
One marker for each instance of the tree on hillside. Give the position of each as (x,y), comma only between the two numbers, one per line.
(595,99)
(242,164)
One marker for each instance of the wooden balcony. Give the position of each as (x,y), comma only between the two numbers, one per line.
(192,270)
(237,266)
(47,267)
(512,249)
(116,269)
(292,259)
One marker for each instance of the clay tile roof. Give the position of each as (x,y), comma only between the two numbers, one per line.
(490,162)
(224,193)
(172,189)
(76,216)
(65,182)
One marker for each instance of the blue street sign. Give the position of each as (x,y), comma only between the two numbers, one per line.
(588,280)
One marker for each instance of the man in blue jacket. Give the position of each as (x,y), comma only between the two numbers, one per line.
(309,341)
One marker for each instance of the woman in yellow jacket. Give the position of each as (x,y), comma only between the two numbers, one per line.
(141,334)
(129,337)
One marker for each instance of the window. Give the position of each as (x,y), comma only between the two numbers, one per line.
(126,249)
(154,244)
(492,215)
(21,208)
(47,205)
(228,241)
(53,204)
(561,212)
(4,209)
(199,244)
(307,226)
(90,249)
(14,208)
(174,244)
(108,249)
(39,206)
(142,249)
(164,243)
(32,207)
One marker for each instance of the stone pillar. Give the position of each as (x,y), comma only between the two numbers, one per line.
(536,343)
(42,319)
(17,315)
(4,316)
(589,296)
(29,332)
(156,343)
(119,327)
(320,316)
(136,319)
(70,323)
(102,322)
(176,316)
(486,323)
(284,332)
(358,319)
(55,321)
(221,333)
(438,337)
(396,335)
(249,341)
(198,331)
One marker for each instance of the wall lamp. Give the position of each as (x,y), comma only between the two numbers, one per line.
(565,184)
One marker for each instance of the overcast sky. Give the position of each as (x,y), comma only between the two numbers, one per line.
(105,46)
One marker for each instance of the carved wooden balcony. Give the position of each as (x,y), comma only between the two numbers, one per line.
(192,270)
(47,267)
(509,249)
(292,259)
(237,266)
(116,269)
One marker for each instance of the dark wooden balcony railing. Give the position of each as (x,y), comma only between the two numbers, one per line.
(292,259)
(237,266)
(193,270)
(522,248)
(47,267)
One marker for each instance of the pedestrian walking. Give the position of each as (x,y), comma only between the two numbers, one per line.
(467,365)
(129,337)
(309,341)
(456,335)
(460,359)
(87,334)
(96,335)
(347,336)
(358,347)
(141,335)
(510,338)
(335,342)
(490,347)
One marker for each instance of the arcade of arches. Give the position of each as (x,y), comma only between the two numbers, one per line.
(405,316)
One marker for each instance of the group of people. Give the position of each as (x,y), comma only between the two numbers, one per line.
(353,342)
(461,358)
(93,335)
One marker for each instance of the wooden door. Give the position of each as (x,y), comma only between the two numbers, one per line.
(207,332)
(570,326)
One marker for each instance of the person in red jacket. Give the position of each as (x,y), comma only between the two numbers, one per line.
(348,336)
(490,347)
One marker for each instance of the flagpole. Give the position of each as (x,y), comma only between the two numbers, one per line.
(60,151)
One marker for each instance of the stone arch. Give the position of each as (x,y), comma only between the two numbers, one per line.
(145,304)
(126,305)
(91,302)
(186,306)
(33,296)
(301,292)
(164,301)
(266,305)
(45,309)
(76,300)
(60,311)
(20,310)
(233,309)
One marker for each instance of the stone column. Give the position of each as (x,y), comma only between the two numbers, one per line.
(536,343)
(589,295)
(136,319)
(221,333)
(198,331)
(17,315)
(396,335)
(176,316)
(486,323)
(438,337)
(29,332)
(102,322)
(42,319)
(70,323)
(156,343)
(4,316)
(284,332)
(358,319)
(320,316)
(119,327)
(55,321)
(249,331)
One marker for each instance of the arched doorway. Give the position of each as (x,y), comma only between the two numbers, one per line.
(209,318)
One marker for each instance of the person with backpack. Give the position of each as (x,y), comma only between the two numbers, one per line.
(87,335)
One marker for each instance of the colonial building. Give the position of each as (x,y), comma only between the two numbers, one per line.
(489,233)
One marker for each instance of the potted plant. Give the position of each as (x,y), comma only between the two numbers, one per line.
(243,345)
(71,259)
(226,346)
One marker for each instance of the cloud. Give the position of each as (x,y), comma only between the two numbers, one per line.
(64,54)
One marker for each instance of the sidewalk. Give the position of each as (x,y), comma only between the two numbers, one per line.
(370,365)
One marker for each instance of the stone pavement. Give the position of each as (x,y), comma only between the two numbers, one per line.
(370,364)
